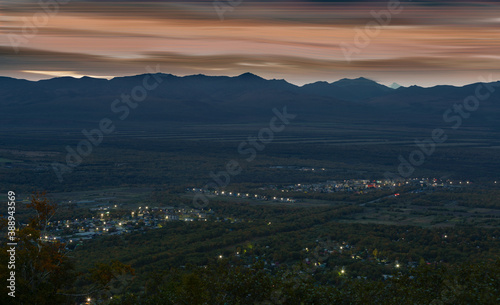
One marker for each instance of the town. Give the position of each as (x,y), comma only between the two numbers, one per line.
(111,220)
(359,186)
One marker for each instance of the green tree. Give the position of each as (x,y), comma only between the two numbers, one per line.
(44,272)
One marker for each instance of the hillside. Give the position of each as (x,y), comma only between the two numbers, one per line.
(68,102)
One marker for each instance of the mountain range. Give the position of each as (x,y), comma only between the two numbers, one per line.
(75,102)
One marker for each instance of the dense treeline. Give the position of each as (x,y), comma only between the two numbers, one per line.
(223,283)
(280,234)
(258,254)
(477,196)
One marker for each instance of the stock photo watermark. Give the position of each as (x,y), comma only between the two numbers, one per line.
(29,29)
(222,7)
(248,148)
(365,35)
(11,244)
(316,259)
(455,115)
(106,126)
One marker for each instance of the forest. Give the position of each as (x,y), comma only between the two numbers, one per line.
(426,246)
(272,255)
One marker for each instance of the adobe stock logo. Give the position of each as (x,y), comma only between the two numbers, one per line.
(364,35)
(247,148)
(93,138)
(455,115)
(48,9)
(222,7)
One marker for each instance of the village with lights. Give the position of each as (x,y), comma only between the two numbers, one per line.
(111,220)
(358,186)
(339,252)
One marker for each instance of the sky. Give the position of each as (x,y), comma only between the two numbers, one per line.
(415,42)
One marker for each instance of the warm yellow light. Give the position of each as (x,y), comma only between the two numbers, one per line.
(64,73)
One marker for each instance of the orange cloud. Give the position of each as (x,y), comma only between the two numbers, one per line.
(299,41)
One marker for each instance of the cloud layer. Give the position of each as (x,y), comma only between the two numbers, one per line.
(418,42)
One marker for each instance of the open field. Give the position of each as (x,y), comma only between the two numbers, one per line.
(134,166)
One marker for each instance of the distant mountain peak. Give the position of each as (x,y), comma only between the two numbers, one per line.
(248,75)
(355,81)
(363,79)
(395,86)
(357,89)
